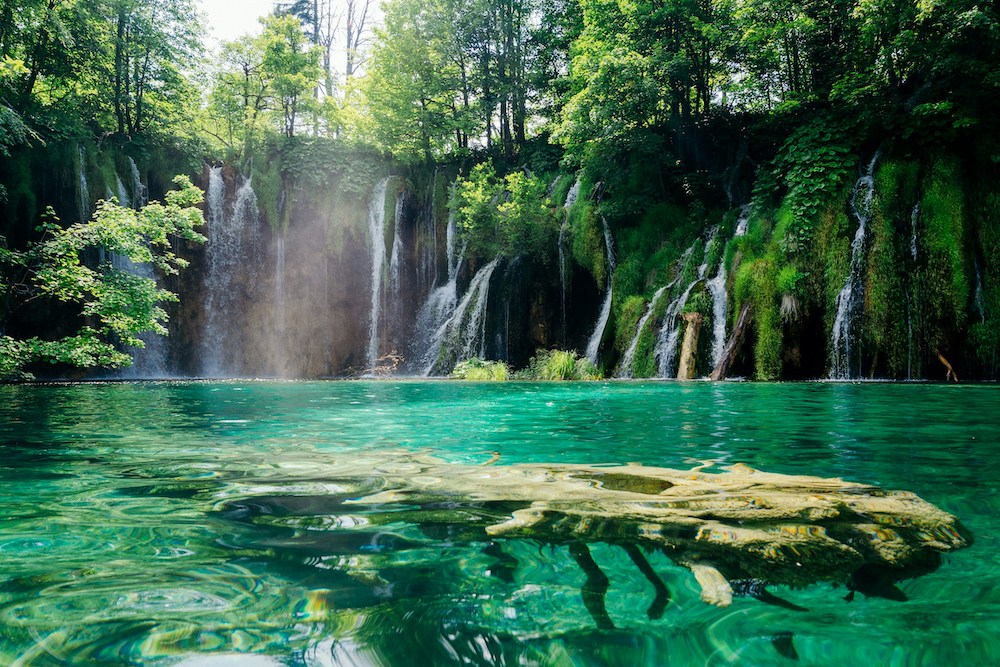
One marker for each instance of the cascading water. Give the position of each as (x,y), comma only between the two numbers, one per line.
(849,298)
(594,344)
(628,359)
(914,219)
(231,239)
(140,193)
(666,343)
(720,298)
(717,289)
(397,245)
(280,306)
(571,197)
(122,194)
(84,190)
(463,335)
(439,307)
(743,222)
(978,298)
(376,230)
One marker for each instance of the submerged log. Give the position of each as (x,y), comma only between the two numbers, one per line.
(739,525)
(733,345)
(689,348)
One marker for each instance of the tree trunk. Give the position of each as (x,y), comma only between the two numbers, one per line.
(38,53)
(6,25)
(689,348)
(120,70)
(733,346)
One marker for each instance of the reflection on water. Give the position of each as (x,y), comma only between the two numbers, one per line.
(191,524)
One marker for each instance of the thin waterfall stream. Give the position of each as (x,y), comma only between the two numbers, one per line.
(850,296)
(594,343)
(376,229)
(571,197)
(628,359)
(666,344)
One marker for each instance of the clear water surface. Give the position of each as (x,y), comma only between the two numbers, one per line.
(119,544)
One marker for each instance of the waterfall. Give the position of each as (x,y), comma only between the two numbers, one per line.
(914,219)
(122,194)
(717,288)
(376,231)
(462,335)
(849,298)
(978,299)
(84,190)
(628,360)
(594,344)
(140,193)
(439,307)
(571,197)
(427,240)
(666,343)
(397,245)
(231,240)
(280,334)
(743,221)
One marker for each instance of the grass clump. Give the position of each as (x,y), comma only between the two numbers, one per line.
(559,365)
(481,370)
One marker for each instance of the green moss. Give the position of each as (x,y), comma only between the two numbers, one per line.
(629,280)
(588,247)
(756,283)
(947,285)
(985,333)
(268,185)
(885,321)
(644,365)
(627,320)
(563,183)
(790,280)
(20,187)
(699,301)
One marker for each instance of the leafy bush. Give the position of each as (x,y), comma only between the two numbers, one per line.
(117,304)
(815,164)
(478,370)
(506,216)
(559,365)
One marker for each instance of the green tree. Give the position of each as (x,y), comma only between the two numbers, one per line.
(507,216)
(411,84)
(114,306)
(291,64)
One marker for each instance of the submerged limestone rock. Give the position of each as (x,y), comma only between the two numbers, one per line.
(740,528)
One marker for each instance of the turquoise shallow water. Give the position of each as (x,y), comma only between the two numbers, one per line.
(178,523)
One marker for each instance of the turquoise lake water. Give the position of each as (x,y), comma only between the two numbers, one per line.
(191,524)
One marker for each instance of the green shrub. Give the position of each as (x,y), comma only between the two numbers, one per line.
(559,365)
(481,370)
